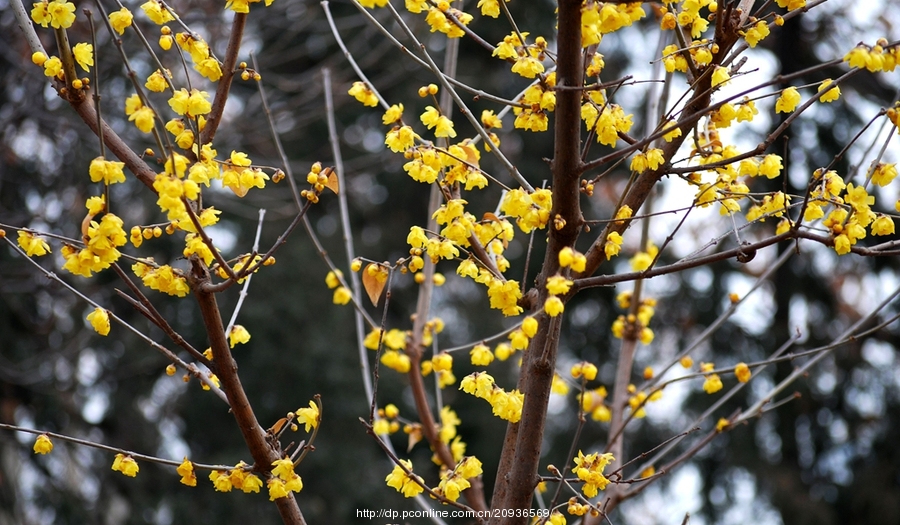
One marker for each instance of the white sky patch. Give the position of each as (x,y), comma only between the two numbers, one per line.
(660,505)
(755,314)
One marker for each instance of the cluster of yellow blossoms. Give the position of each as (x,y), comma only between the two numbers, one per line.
(506,405)
(283,478)
(181,179)
(639,323)
(100,250)
(452,483)
(589,469)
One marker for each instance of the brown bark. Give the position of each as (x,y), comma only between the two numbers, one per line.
(519,462)
(214,118)
(263,451)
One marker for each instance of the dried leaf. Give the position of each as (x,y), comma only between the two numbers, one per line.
(374,279)
(332,183)
(85,224)
(415,435)
(488,216)
(276,428)
(471,154)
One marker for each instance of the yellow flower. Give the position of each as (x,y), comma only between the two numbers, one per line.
(221,480)
(361,92)
(528,67)
(490,120)
(42,444)
(409,486)
(120,20)
(529,326)
(712,384)
(276,489)
(746,110)
(590,470)
(770,166)
(238,334)
(58,13)
(308,416)
(283,468)
(156,82)
(489,8)
(393,114)
(720,76)
(642,260)
(559,386)
(443,126)
(238,6)
(143,119)
(396,361)
(791,5)
(240,182)
(831,94)
(583,368)
(757,33)
(186,471)
(442,361)
(109,171)
(400,139)
(883,225)
(52,66)
(251,483)
(333,278)
(342,296)
(558,284)
(381,427)
(32,244)
(208,67)
(571,258)
(613,245)
(84,55)
(99,320)
(883,173)
(481,355)
(505,296)
(788,100)
(126,465)
(156,12)
(742,372)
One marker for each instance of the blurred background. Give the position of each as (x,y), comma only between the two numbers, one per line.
(828,457)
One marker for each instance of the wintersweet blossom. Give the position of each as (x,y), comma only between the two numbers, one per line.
(788,100)
(99,319)
(121,20)
(32,244)
(126,465)
(42,444)
(409,485)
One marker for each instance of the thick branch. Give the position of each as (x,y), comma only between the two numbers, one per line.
(517,475)
(218,106)
(264,453)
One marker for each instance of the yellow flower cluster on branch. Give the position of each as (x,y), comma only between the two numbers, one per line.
(506,405)
(283,480)
(126,465)
(589,468)
(453,482)
(403,481)
(42,444)
(55,13)
(163,279)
